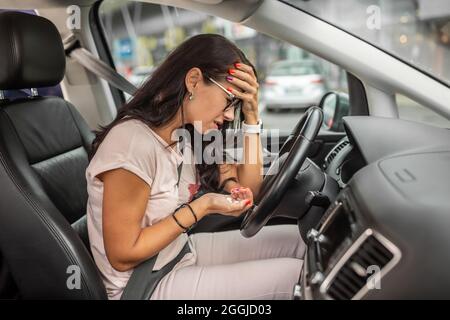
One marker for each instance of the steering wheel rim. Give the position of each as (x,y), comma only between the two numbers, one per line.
(274,187)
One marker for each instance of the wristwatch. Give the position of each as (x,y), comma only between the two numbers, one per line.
(252,128)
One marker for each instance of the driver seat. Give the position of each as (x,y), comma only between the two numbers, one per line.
(44,147)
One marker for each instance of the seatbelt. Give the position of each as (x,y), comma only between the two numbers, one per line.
(74,50)
(143,280)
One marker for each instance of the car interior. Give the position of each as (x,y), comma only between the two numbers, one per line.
(368,190)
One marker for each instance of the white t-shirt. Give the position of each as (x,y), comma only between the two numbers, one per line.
(133,146)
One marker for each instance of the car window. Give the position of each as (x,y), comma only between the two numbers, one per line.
(140,36)
(410,110)
(23,93)
(415,31)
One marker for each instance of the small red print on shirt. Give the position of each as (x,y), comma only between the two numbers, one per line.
(193,189)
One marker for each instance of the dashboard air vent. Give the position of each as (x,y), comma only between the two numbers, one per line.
(368,256)
(335,151)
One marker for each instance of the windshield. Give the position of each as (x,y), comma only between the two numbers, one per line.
(415,31)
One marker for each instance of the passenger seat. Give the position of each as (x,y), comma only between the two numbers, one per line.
(44,147)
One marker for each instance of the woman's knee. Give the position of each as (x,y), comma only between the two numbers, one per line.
(275,278)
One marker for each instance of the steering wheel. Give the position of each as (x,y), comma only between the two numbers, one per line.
(275,185)
(293,136)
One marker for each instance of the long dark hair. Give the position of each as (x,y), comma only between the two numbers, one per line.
(157,101)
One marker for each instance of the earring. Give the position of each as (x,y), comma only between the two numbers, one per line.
(191,96)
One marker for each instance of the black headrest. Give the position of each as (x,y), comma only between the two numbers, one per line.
(31,53)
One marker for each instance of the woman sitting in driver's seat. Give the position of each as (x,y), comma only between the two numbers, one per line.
(142,184)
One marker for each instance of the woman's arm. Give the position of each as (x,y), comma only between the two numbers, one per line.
(125,199)
(248,173)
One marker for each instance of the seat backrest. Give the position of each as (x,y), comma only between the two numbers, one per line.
(49,143)
(44,146)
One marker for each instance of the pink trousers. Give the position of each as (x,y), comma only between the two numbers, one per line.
(225,265)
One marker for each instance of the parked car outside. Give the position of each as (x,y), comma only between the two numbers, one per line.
(293,85)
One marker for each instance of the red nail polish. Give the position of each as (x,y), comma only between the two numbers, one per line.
(230,89)
(237,65)
(231,71)
(247,202)
(229,78)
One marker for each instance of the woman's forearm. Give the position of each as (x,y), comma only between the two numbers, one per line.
(155,238)
(250,172)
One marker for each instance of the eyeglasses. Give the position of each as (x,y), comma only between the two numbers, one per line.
(234,102)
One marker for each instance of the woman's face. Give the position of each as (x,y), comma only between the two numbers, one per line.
(206,111)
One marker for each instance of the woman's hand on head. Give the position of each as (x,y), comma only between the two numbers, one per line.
(234,204)
(244,78)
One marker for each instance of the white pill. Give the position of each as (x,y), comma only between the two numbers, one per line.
(232,200)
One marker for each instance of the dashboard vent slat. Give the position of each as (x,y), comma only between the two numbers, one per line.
(337,294)
(381,258)
(345,293)
(351,276)
(351,282)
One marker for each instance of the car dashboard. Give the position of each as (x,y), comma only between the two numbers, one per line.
(385,236)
